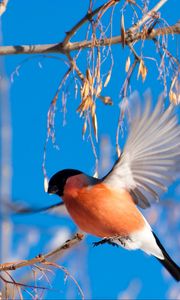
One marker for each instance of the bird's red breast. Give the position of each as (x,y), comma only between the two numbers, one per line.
(99,210)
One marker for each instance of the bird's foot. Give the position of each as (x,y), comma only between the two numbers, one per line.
(112,243)
(105,241)
(101,242)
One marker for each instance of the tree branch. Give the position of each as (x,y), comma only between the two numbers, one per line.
(31,49)
(9,266)
(60,48)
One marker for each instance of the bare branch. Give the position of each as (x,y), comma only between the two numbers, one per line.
(60,48)
(174,29)
(9,266)
(31,49)
(74,66)
(12,281)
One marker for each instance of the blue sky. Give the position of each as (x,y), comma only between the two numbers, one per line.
(103,272)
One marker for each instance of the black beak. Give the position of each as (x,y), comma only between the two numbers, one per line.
(53,190)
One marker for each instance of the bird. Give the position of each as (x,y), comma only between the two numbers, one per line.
(108,207)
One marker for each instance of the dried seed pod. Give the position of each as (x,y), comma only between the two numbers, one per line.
(128,62)
(142,70)
(173,97)
(95,126)
(98,72)
(85,89)
(107,78)
(118,150)
(89,76)
(123,32)
(84,128)
(85,105)
(99,89)
(174,93)
(93,109)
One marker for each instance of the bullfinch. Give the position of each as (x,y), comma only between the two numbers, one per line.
(108,207)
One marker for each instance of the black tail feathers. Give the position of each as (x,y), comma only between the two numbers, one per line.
(167,262)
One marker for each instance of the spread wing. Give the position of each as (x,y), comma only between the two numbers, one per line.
(151,157)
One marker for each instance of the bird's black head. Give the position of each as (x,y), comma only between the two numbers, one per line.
(57,182)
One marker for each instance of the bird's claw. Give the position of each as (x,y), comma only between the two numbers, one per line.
(112,243)
(104,241)
(95,244)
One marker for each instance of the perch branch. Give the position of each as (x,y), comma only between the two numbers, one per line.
(42,258)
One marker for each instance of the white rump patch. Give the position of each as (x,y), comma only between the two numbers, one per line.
(144,240)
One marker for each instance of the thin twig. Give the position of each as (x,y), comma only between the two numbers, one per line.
(79,24)
(74,66)
(68,274)
(12,281)
(50,119)
(148,15)
(124,95)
